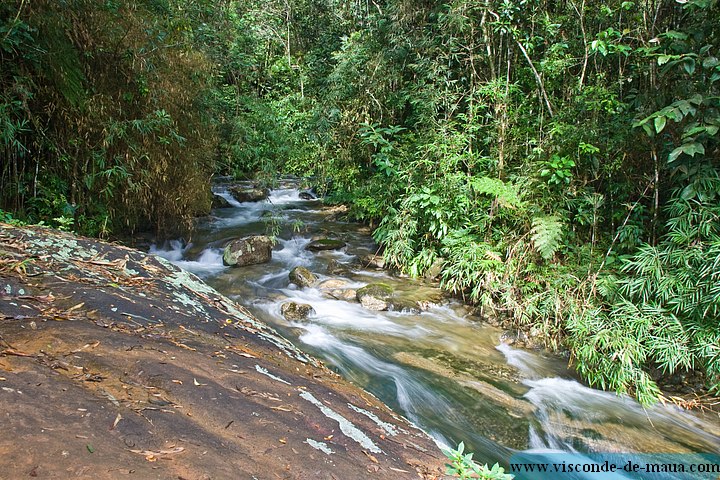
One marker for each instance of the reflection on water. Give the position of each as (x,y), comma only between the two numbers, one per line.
(444,371)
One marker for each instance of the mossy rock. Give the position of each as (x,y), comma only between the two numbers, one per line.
(325,244)
(302,277)
(248,251)
(375,296)
(296,311)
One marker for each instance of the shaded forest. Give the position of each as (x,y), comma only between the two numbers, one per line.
(556,162)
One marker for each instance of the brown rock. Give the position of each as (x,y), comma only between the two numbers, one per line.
(248,251)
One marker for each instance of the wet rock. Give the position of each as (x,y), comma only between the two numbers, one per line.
(375,296)
(220,202)
(259,394)
(373,261)
(248,251)
(405,306)
(244,194)
(333,284)
(302,277)
(306,195)
(347,294)
(336,268)
(296,311)
(325,244)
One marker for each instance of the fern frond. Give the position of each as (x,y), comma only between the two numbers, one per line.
(546,234)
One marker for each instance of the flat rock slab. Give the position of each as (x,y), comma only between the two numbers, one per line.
(117,364)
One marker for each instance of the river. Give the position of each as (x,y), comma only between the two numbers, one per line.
(444,370)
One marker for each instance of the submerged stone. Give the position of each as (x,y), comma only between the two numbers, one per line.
(325,244)
(248,251)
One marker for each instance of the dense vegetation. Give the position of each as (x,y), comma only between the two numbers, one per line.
(558,160)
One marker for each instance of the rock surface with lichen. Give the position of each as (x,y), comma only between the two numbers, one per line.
(250,250)
(117,364)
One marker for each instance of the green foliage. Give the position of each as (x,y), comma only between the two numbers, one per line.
(664,308)
(102,107)
(464,467)
(557,170)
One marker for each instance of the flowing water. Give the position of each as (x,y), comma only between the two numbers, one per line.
(442,369)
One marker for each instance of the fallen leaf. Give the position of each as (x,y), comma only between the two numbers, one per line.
(90,448)
(79,305)
(371,457)
(117,420)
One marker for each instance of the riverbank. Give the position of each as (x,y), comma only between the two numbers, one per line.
(116,363)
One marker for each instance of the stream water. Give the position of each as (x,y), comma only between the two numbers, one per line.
(445,371)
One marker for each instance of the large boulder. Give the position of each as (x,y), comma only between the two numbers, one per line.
(245,194)
(302,277)
(87,362)
(375,296)
(248,251)
(296,311)
(325,244)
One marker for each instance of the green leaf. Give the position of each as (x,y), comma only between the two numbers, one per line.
(689,65)
(710,62)
(689,192)
(648,129)
(688,149)
(696,99)
(660,122)
(663,59)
